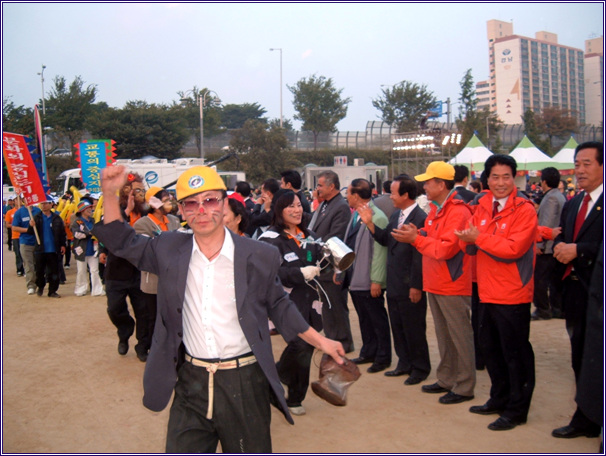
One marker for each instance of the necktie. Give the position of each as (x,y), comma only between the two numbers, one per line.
(495,209)
(578,223)
(323,208)
(401,219)
(581,216)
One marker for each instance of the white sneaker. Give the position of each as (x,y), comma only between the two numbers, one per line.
(31,291)
(298,411)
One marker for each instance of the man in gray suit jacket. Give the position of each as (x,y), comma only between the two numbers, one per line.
(547,299)
(331,219)
(211,341)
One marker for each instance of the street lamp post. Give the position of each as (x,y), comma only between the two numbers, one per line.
(41,74)
(280,49)
(201,102)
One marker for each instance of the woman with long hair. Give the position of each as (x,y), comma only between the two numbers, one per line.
(300,259)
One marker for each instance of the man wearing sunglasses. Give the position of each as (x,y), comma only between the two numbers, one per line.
(211,340)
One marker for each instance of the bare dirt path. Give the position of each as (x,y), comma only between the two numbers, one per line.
(66,390)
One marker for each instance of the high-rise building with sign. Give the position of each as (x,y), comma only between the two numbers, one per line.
(594,81)
(533,73)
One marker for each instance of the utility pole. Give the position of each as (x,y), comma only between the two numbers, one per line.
(41,74)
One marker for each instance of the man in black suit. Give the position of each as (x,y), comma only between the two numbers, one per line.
(243,188)
(577,248)
(406,301)
(331,219)
(291,180)
(216,291)
(461,180)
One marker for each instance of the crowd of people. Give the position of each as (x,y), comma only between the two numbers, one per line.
(210,274)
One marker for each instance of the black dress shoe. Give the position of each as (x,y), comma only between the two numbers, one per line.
(535,316)
(54,295)
(412,380)
(123,347)
(361,360)
(571,432)
(504,424)
(39,291)
(454,398)
(142,357)
(377,368)
(396,373)
(433,388)
(485,409)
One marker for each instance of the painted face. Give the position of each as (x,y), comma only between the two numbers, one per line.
(139,191)
(204,212)
(501,181)
(589,173)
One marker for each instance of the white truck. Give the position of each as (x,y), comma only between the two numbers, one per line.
(159,172)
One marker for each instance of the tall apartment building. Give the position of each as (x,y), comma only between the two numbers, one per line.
(594,81)
(527,73)
(483,95)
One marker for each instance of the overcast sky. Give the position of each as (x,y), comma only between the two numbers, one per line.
(147,51)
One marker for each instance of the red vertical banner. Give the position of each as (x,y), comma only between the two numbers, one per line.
(21,168)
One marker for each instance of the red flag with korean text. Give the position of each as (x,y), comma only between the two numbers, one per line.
(22,170)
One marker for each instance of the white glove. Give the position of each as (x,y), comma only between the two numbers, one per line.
(309,272)
(79,235)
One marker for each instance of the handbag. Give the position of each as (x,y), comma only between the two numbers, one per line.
(335,379)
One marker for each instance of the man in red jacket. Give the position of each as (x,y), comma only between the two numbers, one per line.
(447,281)
(502,234)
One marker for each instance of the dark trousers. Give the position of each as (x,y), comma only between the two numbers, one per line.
(241,412)
(293,370)
(117,291)
(374,326)
(335,316)
(546,298)
(408,327)
(475,325)
(18,259)
(504,333)
(574,298)
(151,302)
(46,266)
(68,252)
(9,238)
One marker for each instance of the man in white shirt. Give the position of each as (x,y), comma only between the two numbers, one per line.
(211,342)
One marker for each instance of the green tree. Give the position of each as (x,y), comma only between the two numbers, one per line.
(318,105)
(141,129)
(532,130)
(405,105)
(556,122)
(470,121)
(286,124)
(262,150)
(68,109)
(17,119)
(233,115)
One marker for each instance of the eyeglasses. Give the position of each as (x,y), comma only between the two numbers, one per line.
(209,204)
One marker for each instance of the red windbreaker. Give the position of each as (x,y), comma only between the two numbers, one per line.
(446,269)
(505,250)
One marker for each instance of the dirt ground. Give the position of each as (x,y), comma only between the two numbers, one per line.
(66,390)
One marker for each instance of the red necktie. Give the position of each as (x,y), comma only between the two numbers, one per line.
(578,223)
(495,209)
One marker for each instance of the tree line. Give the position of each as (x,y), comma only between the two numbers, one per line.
(140,128)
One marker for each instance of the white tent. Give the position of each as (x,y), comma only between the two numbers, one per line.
(529,158)
(473,155)
(565,156)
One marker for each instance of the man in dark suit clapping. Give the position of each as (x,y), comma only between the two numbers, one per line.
(406,301)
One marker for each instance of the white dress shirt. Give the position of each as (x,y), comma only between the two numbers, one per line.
(211,328)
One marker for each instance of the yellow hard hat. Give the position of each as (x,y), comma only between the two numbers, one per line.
(151,192)
(197,180)
(437,169)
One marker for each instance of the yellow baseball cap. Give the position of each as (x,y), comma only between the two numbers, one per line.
(197,180)
(152,191)
(437,170)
